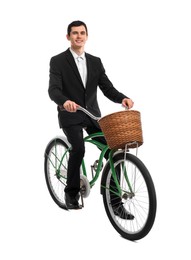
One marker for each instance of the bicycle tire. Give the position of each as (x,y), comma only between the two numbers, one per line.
(142,205)
(55,176)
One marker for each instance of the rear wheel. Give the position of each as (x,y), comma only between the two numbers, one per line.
(137,196)
(55,168)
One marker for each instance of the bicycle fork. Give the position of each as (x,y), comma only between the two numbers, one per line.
(120,192)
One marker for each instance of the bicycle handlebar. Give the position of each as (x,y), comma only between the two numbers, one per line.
(88,113)
(85,111)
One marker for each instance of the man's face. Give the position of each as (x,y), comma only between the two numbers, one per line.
(77,37)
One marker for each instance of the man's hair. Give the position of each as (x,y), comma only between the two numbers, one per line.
(76,24)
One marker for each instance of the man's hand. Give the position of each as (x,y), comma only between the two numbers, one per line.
(70,106)
(127,102)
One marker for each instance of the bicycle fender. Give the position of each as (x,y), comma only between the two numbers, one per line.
(63,138)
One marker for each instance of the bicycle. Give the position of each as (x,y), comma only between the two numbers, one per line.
(134,185)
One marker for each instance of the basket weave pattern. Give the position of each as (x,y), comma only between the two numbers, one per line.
(121,128)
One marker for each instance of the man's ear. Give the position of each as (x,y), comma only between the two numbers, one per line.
(68,37)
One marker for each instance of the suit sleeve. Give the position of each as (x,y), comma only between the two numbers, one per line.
(107,87)
(55,84)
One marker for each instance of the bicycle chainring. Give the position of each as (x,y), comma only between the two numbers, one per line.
(84,186)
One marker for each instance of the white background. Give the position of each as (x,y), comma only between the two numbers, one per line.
(145,49)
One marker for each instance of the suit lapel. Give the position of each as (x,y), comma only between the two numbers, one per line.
(89,69)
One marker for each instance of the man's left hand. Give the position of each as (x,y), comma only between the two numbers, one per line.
(127,102)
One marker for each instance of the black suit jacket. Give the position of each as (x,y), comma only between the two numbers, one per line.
(65,84)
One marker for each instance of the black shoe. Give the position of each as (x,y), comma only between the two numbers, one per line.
(121,212)
(71,203)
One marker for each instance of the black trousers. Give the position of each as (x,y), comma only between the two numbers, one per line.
(74,135)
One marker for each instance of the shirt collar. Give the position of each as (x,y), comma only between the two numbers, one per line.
(75,55)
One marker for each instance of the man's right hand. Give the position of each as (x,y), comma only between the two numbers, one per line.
(70,106)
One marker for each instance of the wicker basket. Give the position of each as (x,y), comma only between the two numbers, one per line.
(122,128)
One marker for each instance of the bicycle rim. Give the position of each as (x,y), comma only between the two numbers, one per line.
(138,197)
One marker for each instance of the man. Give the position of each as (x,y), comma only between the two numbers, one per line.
(74,78)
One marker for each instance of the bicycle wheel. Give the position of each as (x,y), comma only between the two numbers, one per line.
(138,196)
(55,167)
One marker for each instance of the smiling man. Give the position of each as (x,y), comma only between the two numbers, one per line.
(74,79)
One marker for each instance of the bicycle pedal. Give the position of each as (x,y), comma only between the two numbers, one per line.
(95,166)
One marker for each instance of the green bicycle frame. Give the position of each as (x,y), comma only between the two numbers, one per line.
(104,148)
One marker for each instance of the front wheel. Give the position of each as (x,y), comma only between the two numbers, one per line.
(137,196)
